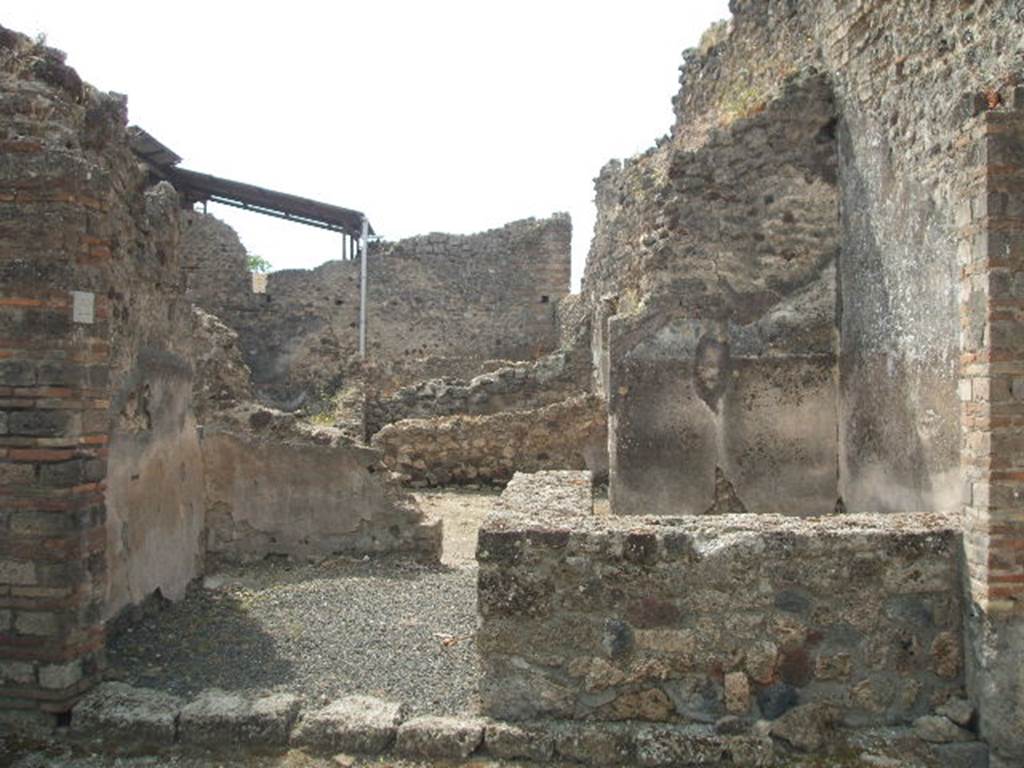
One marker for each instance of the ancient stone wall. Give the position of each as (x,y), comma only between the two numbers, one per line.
(519,387)
(458,450)
(95,376)
(304,494)
(154,482)
(990,217)
(219,279)
(460,300)
(692,619)
(721,380)
(222,380)
(277,485)
(491,296)
(573,323)
(901,89)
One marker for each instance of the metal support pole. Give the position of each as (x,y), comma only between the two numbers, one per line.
(364,237)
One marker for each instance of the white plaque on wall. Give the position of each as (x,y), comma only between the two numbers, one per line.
(83,307)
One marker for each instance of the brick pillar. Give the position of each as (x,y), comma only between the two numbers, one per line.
(54,270)
(991,217)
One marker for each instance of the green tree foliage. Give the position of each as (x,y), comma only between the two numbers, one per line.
(258,264)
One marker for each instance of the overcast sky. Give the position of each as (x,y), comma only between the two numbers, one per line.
(429,116)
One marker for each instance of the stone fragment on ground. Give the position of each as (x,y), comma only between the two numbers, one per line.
(443,738)
(216,718)
(120,714)
(358,724)
(938,729)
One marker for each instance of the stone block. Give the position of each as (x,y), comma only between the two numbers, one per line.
(17,672)
(215,718)
(737,693)
(775,700)
(650,704)
(15,474)
(968,754)
(513,741)
(358,724)
(510,691)
(946,654)
(42,623)
(39,423)
(762,660)
(957,709)
(118,714)
(596,745)
(17,373)
(698,745)
(62,473)
(17,572)
(60,676)
(549,494)
(439,738)
(806,727)
(940,730)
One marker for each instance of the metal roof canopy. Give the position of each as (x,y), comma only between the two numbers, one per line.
(197,187)
(149,149)
(201,187)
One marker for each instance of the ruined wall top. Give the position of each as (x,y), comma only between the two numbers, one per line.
(435,303)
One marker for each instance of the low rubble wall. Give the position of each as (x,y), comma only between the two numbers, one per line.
(517,387)
(692,619)
(304,495)
(459,450)
(117,718)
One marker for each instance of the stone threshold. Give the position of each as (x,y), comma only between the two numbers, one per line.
(120,719)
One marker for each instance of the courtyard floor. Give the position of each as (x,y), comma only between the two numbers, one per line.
(386,627)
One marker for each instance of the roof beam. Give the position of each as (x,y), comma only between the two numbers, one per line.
(202,187)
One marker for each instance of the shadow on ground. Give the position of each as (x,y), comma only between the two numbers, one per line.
(208,640)
(385,627)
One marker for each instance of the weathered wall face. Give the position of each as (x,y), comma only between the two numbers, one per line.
(898,420)
(154,486)
(721,383)
(490,296)
(96,381)
(222,380)
(457,450)
(991,228)
(276,485)
(900,424)
(299,498)
(690,619)
(462,300)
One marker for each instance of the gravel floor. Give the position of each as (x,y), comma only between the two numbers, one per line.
(386,627)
